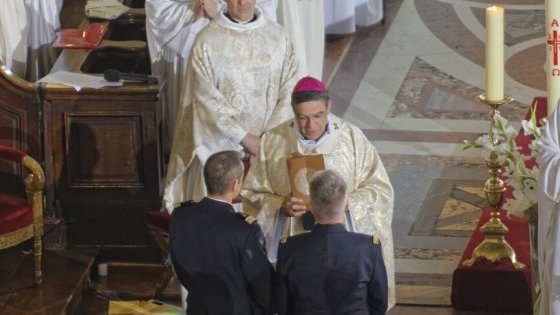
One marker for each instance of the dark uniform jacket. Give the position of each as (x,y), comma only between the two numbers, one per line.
(220,258)
(330,271)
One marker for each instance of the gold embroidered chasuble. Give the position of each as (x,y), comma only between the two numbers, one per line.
(241,78)
(347,151)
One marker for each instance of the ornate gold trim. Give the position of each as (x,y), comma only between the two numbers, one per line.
(35,180)
(34,183)
(16,237)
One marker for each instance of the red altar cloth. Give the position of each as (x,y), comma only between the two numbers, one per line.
(498,286)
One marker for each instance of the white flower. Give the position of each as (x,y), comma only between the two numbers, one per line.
(517,205)
(521,179)
(484,142)
(528,127)
(530,190)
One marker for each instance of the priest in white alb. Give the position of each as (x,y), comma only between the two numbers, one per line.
(241,72)
(13,36)
(304,22)
(267,194)
(27,29)
(548,159)
(171,27)
(44,21)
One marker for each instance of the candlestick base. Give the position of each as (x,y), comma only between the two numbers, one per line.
(494,247)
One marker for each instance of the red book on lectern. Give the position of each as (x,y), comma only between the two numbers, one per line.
(89,37)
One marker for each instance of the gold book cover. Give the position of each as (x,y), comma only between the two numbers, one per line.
(300,170)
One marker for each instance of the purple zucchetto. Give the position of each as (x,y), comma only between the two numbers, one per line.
(310,84)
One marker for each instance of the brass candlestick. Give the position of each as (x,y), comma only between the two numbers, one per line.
(494,246)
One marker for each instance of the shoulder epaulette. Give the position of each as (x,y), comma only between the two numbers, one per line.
(375,240)
(248,219)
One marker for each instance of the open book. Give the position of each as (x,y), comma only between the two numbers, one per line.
(300,170)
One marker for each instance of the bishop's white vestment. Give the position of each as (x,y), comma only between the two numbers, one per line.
(548,159)
(304,23)
(346,150)
(240,81)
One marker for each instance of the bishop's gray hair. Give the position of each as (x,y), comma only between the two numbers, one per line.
(328,194)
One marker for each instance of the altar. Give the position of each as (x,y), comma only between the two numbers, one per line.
(499,286)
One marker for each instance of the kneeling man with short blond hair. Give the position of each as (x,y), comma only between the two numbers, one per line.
(330,270)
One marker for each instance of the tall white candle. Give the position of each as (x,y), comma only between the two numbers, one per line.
(552,54)
(495,53)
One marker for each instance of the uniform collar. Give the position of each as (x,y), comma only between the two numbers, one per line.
(328,228)
(215,203)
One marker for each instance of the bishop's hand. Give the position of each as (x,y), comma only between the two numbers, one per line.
(293,207)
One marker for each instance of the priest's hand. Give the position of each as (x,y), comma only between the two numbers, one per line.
(210,8)
(293,207)
(251,143)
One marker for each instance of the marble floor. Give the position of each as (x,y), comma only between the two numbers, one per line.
(411,84)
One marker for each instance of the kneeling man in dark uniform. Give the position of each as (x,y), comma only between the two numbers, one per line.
(330,270)
(219,255)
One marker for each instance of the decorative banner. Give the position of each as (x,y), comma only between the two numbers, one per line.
(495,53)
(552,51)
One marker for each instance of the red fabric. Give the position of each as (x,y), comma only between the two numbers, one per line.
(12,154)
(15,213)
(159,219)
(498,286)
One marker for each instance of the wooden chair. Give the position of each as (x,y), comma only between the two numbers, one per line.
(158,226)
(22,219)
